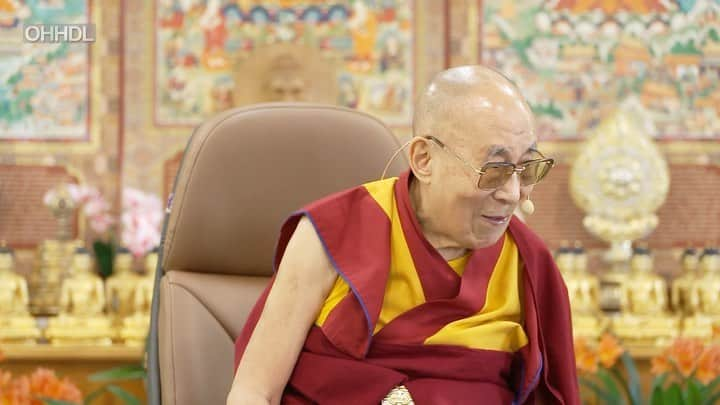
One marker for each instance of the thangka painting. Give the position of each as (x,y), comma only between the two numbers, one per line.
(44,87)
(576,60)
(199,43)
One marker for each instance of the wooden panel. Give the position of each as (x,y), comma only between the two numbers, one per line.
(24,220)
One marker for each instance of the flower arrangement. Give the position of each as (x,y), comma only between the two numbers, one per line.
(688,369)
(687,372)
(600,371)
(140,220)
(43,387)
(38,388)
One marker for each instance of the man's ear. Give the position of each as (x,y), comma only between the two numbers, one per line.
(421,159)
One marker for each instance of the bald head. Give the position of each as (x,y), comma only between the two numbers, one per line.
(467,93)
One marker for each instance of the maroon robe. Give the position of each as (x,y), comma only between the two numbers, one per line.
(343,362)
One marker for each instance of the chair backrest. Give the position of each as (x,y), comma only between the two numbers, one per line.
(243,172)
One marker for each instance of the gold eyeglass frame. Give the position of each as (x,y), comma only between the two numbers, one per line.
(483,170)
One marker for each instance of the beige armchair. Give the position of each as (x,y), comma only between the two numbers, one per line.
(243,172)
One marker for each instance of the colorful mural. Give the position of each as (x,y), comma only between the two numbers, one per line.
(198,42)
(44,88)
(576,60)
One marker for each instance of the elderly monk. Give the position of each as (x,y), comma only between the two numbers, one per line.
(421,289)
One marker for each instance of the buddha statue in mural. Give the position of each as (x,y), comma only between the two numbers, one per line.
(136,325)
(120,286)
(681,285)
(81,320)
(644,317)
(286,72)
(16,324)
(704,298)
(584,293)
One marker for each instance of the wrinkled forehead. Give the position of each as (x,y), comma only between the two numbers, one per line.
(507,133)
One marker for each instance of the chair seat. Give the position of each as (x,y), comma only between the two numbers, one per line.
(201,315)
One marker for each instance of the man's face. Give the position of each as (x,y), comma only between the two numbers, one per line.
(480,134)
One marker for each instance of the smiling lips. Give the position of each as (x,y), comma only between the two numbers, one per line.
(496,220)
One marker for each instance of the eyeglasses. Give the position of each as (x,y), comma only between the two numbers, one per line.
(494,174)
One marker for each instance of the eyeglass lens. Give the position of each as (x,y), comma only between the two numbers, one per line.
(496,176)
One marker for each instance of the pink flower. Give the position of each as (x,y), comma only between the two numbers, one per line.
(74,191)
(95,206)
(141,219)
(101,223)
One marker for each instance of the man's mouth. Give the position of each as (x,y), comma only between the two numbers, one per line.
(496,220)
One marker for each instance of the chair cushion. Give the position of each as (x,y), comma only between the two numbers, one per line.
(200,317)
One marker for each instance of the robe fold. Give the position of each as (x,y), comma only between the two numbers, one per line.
(496,331)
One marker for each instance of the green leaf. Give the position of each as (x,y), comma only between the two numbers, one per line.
(50,401)
(657,396)
(599,392)
(623,383)
(704,391)
(611,386)
(712,400)
(130,372)
(694,397)
(633,379)
(658,382)
(712,385)
(673,395)
(710,392)
(126,397)
(89,398)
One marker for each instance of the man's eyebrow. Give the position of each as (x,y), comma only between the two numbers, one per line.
(498,150)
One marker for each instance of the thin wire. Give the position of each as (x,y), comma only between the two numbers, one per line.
(392,158)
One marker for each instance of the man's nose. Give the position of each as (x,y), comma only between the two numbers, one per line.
(510,191)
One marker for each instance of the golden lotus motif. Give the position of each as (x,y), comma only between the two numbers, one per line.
(619,180)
